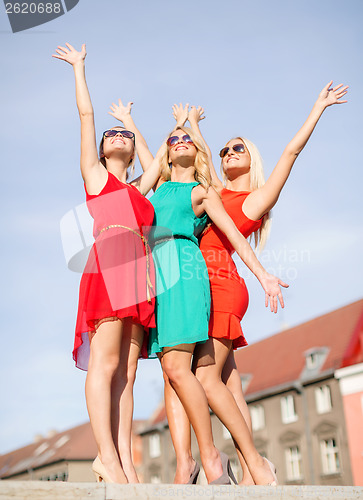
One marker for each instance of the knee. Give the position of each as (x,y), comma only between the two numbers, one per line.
(107,364)
(173,372)
(207,381)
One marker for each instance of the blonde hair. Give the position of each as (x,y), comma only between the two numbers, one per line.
(202,172)
(257,180)
(131,164)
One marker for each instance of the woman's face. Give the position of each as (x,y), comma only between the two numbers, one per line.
(118,143)
(236,163)
(181,149)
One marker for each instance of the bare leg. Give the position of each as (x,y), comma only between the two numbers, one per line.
(232,380)
(103,364)
(179,427)
(176,365)
(223,404)
(122,395)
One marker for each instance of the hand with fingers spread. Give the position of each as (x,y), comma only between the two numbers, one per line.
(271,284)
(119,111)
(180,113)
(329,96)
(70,54)
(196,115)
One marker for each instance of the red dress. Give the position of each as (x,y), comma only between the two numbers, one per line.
(118,278)
(228,290)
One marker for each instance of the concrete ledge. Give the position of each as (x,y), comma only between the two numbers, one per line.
(38,490)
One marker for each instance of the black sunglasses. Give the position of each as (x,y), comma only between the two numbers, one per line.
(124,133)
(238,148)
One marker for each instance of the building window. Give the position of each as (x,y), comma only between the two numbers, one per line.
(288,413)
(323,399)
(329,456)
(154,446)
(257,417)
(155,479)
(293,463)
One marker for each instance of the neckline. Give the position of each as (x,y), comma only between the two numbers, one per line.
(113,175)
(233,191)
(181,183)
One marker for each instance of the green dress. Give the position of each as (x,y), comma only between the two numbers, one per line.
(182,306)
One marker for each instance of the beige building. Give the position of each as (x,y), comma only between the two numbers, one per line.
(295,401)
(63,456)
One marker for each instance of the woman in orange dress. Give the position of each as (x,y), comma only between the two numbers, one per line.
(247,199)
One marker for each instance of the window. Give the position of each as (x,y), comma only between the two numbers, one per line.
(293,463)
(323,399)
(329,456)
(288,413)
(155,479)
(154,446)
(257,417)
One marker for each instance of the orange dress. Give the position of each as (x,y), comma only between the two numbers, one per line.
(228,290)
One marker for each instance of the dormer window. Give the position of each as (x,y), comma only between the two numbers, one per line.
(315,358)
(245,380)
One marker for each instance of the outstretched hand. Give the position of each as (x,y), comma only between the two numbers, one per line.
(70,54)
(271,284)
(196,114)
(180,113)
(329,96)
(119,111)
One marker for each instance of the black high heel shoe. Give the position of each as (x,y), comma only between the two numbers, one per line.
(227,471)
(194,475)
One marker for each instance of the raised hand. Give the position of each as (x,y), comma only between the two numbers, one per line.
(119,111)
(271,284)
(70,54)
(180,113)
(196,114)
(329,96)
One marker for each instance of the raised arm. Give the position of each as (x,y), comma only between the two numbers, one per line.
(212,204)
(195,116)
(123,114)
(151,177)
(263,199)
(93,172)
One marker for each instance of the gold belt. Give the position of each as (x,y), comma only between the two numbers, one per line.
(149,285)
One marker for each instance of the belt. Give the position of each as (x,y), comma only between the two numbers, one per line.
(174,237)
(149,285)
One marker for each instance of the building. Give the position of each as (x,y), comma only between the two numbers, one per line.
(304,388)
(61,456)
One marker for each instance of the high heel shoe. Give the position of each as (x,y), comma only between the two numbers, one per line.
(273,472)
(227,471)
(100,471)
(194,475)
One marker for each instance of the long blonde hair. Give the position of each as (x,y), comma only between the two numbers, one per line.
(257,180)
(202,172)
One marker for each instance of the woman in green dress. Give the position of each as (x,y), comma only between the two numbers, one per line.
(183,199)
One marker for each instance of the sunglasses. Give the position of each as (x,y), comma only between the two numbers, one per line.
(124,133)
(174,139)
(238,148)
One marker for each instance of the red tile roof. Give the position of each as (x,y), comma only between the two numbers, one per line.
(280,359)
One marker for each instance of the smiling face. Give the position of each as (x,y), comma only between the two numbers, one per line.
(116,145)
(236,163)
(181,150)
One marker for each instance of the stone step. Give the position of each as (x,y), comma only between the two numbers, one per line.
(38,490)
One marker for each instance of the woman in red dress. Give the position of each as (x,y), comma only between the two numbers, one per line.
(116,298)
(247,199)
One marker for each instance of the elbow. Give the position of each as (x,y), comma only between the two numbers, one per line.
(292,152)
(86,113)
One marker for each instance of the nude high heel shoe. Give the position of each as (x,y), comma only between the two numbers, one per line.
(100,471)
(227,471)
(273,472)
(194,475)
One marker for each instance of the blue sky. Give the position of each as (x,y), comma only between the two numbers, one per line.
(256,68)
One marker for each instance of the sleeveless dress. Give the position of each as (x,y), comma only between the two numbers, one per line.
(117,281)
(183,298)
(229,295)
